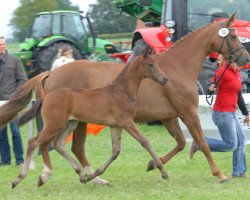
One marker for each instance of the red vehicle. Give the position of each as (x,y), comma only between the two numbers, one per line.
(172,19)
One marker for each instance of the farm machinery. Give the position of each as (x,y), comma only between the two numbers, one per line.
(167,21)
(51,31)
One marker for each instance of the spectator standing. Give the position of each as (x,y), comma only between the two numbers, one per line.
(65,55)
(12,77)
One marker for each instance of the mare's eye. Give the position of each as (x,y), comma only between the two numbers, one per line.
(233,36)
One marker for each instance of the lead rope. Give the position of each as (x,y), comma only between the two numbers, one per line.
(210,94)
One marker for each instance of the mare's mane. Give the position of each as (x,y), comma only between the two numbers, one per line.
(178,42)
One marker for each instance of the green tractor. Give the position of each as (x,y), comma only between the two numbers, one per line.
(51,31)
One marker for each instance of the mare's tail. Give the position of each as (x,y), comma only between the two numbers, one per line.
(21,99)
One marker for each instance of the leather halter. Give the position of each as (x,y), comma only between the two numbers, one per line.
(232,58)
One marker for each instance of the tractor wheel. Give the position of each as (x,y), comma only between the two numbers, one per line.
(206,74)
(47,56)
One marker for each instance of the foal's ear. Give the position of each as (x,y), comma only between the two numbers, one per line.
(145,52)
(231,20)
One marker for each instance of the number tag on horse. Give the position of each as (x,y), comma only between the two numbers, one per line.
(223,32)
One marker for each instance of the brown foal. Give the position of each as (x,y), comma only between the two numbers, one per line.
(114,105)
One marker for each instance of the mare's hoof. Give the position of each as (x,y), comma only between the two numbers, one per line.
(40,182)
(224,180)
(13,184)
(151,165)
(100,181)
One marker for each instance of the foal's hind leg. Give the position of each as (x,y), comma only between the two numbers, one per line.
(78,148)
(132,129)
(116,144)
(32,144)
(58,144)
(174,129)
(47,167)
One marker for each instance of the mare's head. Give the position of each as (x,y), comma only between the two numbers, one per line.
(227,43)
(150,69)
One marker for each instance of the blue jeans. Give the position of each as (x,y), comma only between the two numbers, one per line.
(233,139)
(5,146)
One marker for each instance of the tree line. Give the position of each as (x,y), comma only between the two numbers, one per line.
(104,15)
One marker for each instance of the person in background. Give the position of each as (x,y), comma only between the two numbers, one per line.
(65,55)
(232,135)
(12,77)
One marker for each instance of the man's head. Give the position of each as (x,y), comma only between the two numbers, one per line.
(2,45)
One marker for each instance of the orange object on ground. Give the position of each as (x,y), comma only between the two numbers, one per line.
(91,129)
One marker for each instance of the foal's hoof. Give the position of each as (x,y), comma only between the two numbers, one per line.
(151,165)
(85,179)
(13,184)
(40,182)
(165,176)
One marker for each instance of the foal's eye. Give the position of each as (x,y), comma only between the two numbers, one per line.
(233,36)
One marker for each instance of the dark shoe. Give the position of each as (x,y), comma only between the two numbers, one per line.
(193,149)
(4,164)
(240,176)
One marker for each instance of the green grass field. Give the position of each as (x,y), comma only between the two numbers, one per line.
(188,179)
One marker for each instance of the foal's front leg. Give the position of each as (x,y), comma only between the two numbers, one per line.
(116,144)
(131,128)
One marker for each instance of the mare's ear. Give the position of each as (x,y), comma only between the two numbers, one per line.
(231,20)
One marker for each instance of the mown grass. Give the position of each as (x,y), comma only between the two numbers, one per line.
(188,179)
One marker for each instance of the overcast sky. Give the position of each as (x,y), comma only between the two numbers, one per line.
(7,8)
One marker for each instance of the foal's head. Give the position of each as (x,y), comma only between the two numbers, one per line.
(226,42)
(149,68)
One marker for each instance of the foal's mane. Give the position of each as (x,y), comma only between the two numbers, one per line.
(123,71)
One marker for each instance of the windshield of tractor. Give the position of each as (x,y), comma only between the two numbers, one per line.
(72,25)
(41,26)
(203,12)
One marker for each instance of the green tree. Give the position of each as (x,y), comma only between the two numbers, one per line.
(107,19)
(24,15)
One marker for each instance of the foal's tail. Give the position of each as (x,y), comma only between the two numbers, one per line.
(21,99)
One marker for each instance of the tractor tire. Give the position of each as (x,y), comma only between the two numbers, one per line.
(47,56)
(206,74)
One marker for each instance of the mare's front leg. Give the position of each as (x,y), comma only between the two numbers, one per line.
(78,148)
(116,148)
(131,128)
(193,124)
(174,129)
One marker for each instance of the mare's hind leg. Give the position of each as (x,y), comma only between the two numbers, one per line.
(78,148)
(132,129)
(193,124)
(116,148)
(174,129)
(58,144)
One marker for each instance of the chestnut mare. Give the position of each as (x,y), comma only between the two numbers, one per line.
(179,98)
(113,105)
